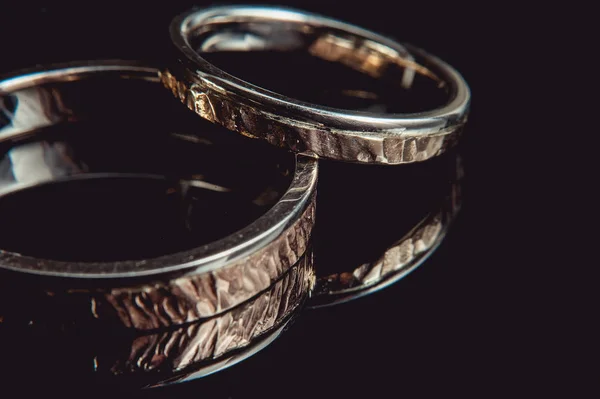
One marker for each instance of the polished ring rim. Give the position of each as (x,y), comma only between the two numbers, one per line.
(297,202)
(362,126)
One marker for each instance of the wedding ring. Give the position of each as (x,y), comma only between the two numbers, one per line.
(42,148)
(335,133)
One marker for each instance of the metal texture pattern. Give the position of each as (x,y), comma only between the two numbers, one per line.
(195,348)
(192,297)
(141,294)
(352,136)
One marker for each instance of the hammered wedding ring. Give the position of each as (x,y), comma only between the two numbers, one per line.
(340,134)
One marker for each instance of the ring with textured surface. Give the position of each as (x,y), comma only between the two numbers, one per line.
(335,133)
(58,271)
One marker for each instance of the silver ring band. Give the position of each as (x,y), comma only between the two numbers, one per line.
(158,292)
(326,132)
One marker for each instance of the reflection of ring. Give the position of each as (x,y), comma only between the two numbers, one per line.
(165,290)
(150,359)
(327,132)
(401,251)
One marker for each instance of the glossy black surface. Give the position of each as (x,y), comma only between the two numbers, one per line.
(482,317)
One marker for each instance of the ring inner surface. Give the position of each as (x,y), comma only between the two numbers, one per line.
(319,64)
(121,179)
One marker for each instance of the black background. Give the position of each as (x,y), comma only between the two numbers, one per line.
(475,320)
